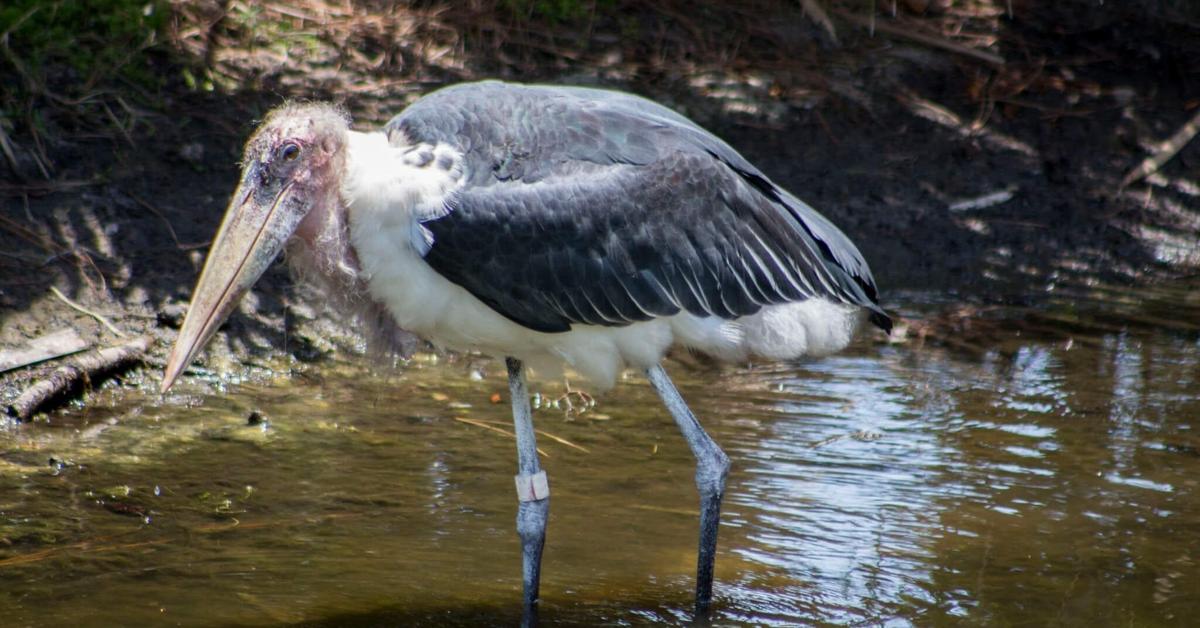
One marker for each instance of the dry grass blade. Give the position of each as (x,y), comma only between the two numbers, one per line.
(553,437)
(494,429)
(561,440)
(79,308)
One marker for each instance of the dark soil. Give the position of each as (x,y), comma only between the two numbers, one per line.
(881,133)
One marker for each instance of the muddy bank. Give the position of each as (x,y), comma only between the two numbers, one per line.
(993,175)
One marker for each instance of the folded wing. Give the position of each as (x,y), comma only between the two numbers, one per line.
(602,208)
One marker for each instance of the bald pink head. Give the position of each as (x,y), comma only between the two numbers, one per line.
(290,186)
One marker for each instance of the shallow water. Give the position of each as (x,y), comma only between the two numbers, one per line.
(1038,468)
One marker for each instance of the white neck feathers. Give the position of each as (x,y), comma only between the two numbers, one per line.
(390,185)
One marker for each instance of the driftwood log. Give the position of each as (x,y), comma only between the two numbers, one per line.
(78,374)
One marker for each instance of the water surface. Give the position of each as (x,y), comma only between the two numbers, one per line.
(1036,467)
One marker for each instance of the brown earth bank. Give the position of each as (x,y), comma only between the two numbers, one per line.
(982,150)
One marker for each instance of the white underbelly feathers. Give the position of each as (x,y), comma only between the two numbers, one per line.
(427,304)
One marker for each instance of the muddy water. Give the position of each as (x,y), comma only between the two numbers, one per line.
(1040,467)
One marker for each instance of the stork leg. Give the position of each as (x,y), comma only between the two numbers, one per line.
(533,491)
(712,465)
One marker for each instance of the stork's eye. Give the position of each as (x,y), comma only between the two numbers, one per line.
(289,152)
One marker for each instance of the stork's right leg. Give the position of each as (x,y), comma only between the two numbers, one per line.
(533,491)
(712,465)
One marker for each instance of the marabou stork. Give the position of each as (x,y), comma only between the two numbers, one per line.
(550,225)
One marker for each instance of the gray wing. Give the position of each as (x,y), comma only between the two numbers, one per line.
(597,207)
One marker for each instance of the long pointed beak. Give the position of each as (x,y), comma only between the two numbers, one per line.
(257,224)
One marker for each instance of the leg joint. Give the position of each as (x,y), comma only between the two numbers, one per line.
(711,471)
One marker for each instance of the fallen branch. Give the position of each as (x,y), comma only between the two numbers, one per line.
(55,345)
(1165,151)
(80,373)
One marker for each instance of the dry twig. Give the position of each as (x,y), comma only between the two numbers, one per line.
(1164,152)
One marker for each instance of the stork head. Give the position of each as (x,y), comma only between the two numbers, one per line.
(291,174)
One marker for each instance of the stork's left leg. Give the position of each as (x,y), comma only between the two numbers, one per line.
(712,465)
(533,491)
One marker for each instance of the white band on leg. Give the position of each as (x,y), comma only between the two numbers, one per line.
(531,488)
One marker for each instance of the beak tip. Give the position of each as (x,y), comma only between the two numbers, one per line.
(173,370)
(169,377)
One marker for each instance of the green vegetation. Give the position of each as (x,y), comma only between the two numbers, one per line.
(97,40)
(69,64)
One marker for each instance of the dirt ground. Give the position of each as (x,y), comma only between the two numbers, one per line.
(968,150)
